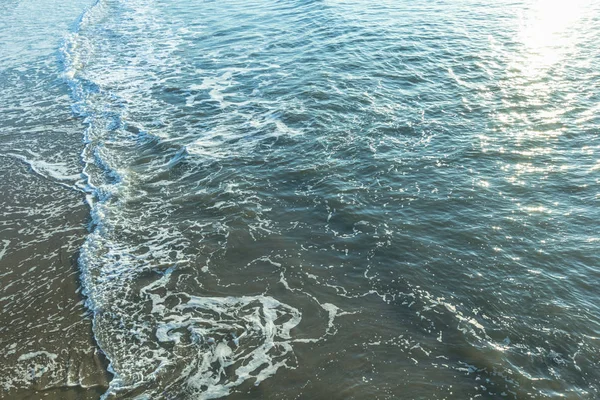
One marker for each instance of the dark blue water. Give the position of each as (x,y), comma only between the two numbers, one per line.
(336,199)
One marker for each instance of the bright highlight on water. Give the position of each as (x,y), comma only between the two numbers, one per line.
(299,199)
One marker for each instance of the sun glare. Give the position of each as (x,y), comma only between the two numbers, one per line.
(547,30)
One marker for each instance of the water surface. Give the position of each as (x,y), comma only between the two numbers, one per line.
(337,199)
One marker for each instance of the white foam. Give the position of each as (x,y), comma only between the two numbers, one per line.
(4,249)
(55,172)
(215,87)
(29,356)
(30,368)
(245,338)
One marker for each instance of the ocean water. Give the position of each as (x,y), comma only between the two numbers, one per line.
(300,199)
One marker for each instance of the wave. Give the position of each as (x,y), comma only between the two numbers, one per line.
(158,338)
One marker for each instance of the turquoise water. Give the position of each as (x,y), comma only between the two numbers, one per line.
(333,199)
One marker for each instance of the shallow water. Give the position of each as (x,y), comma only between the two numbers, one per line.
(46,343)
(325,199)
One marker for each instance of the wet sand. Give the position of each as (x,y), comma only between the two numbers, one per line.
(46,340)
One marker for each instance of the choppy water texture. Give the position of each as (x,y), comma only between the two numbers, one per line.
(300,199)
